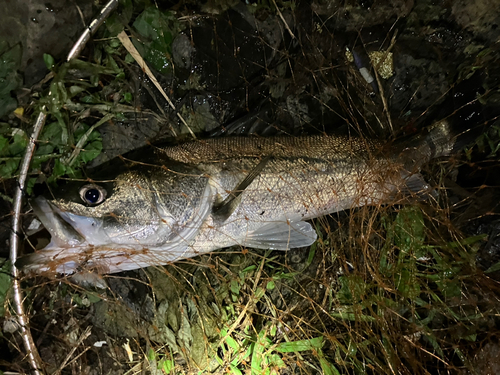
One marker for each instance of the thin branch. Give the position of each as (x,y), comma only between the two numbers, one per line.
(32,352)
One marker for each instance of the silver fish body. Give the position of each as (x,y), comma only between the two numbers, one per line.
(206,195)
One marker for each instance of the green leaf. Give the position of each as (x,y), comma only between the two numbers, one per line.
(157,30)
(8,168)
(167,365)
(127,97)
(116,21)
(59,170)
(49,61)
(232,343)
(18,144)
(493,268)
(151,354)
(275,361)
(326,366)
(3,145)
(235,287)
(7,104)
(409,229)
(93,297)
(352,289)
(407,284)
(261,345)
(259,292)
(270,285)
(235,370)
(353,317)
(301,345)
(90,152)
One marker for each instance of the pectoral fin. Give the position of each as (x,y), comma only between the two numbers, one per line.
(224,209)
(282,236)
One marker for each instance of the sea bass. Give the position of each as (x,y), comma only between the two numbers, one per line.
(201,196)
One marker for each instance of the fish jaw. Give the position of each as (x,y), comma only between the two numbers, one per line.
(81,243)
(100,259)
(62,233)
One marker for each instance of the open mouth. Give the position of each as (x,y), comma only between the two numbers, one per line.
(53,219)
(63,253)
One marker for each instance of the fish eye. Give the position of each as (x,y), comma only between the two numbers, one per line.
(92,194)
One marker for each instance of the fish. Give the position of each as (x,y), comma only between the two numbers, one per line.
(171,203)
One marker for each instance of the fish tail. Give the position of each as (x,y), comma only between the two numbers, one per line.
(452,132)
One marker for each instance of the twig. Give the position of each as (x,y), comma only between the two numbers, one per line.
(91,29)
(379,82)
(29,345)
(123,37)
(283,19)
(31,350)
(84,335)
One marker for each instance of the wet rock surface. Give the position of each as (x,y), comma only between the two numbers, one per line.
(43,27)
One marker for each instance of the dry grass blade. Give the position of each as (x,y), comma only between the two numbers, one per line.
(138,58)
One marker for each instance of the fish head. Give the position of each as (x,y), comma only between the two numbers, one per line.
(140,217)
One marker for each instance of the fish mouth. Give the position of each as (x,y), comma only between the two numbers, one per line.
(63,253)
(63,234)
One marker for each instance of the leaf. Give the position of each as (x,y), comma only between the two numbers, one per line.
(7,104)
(407,284)
(261,345)
(301,345)
(116,21)
(18,144)
(93,297)
(49,61)
(157,30)
(8,168)
(270,285)
(59,170)
(409,229)
(275,360)
(352,289)
(235,370)
(235,287)
(151,355)
(167,365)
(49,139)
(90,152)
(3,143)
(326,366)
(493,268)
(353,317)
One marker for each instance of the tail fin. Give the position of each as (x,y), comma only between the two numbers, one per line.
(450,133)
